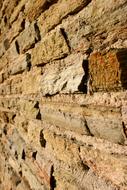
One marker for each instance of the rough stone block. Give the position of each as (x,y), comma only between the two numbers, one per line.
(19,65)
(106,165)
(40,6)
(108,72)
(50,48)
(17,27)
(62,148)
(68,75)
(54,15)
(28,37)
(18,8)
(31,82)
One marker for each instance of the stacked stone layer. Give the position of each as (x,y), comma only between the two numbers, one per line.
(63,95)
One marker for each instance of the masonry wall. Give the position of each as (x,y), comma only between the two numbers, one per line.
(63,97)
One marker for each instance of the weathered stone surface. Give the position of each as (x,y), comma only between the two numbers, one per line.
(63,97)
(19,65)
(50,48)
(106,165)
(31,83)
(39,6)
(18,8)
(65,76)
(108,72)
(3,62)
(54,15)
(17,27)
(28,38)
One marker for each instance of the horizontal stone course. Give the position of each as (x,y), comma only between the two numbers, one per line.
(63,96)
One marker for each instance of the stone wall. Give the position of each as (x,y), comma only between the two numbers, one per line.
(63,97)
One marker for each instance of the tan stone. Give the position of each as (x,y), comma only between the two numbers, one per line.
(50,48)
(17,9)
(64,76)
(32,12)
(111,167)
(63,149)
(3,62)
(54,15)
(31,82)
(17,27)
(28,38)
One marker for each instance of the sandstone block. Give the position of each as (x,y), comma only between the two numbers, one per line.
(54,15)
(28,38)
(31,178)
(62,148)
(50,48)
(108,72)
(16,85)
(3,62)
(19,65)
(105,124)
(17,27)
(32,12)
(65,76)
(106,165)
(17,10)
(31,82)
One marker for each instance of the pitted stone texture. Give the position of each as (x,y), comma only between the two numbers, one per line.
(108,72)
(50,48)
(28,38)
(39,6)
(65,76)
(54,15)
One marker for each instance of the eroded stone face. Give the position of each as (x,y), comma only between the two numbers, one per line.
(52,47)
(108,72)
(63,96)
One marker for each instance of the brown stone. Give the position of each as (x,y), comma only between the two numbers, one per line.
(108,72)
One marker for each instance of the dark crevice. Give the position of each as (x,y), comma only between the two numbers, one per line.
(42,139)
(16,155)
(6,44)
(23,155)
(52,179)
(85,166)
(23,8)
(20,173)
(13,117)
(5,20)
(38,116)
(122,59)
(23,24)
(124,129)
(28,60)
(5,130)
(65,37)
(18,182)
(86,125)
(36,105)
(38,38)
(83,85)
(17,47)
(34,154)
